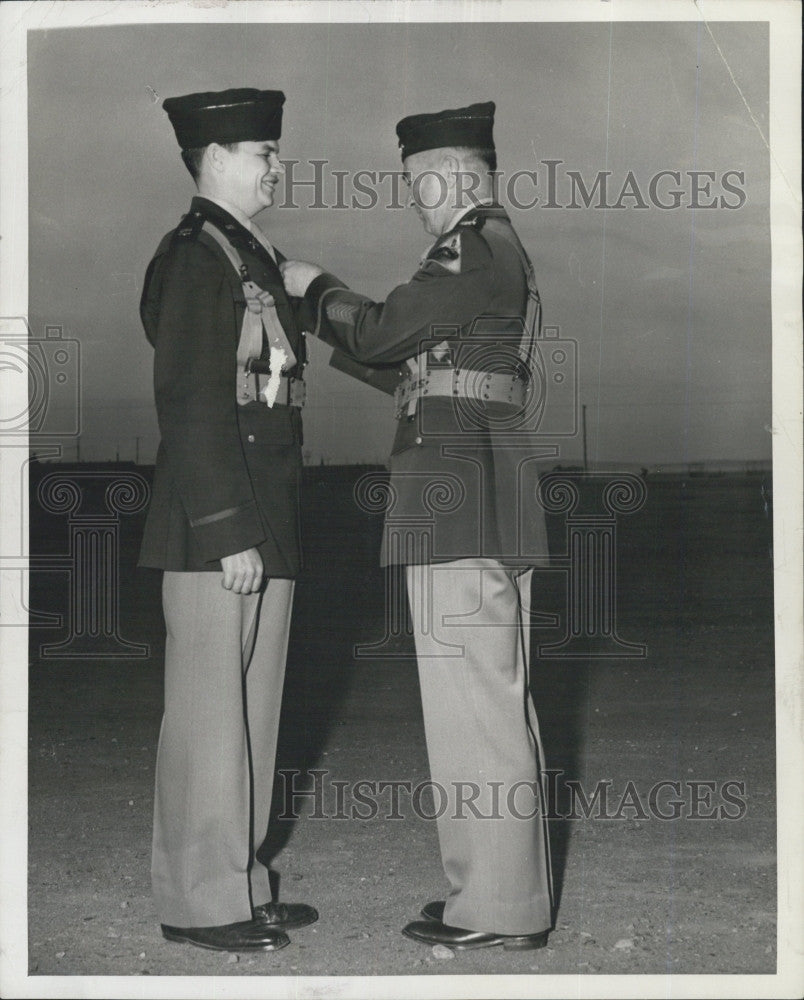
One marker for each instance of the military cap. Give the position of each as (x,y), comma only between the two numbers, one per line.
(239,115)
(472,126)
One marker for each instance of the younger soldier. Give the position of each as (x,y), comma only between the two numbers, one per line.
(223,525)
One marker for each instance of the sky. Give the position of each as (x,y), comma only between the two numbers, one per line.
(668,310)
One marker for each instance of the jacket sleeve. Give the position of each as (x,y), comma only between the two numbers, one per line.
(449,289)
(195,368)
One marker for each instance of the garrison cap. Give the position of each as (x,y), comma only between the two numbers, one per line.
(239,115)
(472,126)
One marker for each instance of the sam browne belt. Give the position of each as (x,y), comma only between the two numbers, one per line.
(261,380)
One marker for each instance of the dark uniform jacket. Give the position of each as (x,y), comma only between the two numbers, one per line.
(227,475)
(463,474)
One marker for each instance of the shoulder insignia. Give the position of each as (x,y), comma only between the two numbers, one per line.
(448,253)
(189,227)
(476,222)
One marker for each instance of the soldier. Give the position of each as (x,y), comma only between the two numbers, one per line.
(223,525)
(463,518)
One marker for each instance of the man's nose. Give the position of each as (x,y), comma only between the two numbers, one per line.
(277,166)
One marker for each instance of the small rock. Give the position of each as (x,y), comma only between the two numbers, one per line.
(60,954)
(124,905)
(131,802)
(233,960)
(624,944)
(442,952)
(142,954)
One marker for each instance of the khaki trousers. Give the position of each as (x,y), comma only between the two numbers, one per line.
(470,621)
(224,670)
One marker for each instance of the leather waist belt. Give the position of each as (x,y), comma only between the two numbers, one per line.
(485,387)
(291,391)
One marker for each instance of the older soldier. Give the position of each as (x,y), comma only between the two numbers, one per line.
(222,524)
(463,518)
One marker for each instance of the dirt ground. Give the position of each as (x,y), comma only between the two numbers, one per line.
(636,894)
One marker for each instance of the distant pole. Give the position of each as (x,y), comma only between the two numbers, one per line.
(137,451)
(585,462)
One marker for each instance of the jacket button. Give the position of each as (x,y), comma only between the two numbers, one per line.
(251,439)
(418,440)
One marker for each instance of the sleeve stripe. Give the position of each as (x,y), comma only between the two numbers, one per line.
(219,515)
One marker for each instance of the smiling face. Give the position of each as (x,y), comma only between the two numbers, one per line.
(247,175)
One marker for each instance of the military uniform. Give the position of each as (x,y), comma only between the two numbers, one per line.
(463,518)
(227,480)
(227,476)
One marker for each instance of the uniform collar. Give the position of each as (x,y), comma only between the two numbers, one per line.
(478,213)
(475,216)
(237,226)
(463,212)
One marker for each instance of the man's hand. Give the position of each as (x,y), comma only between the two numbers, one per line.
(297,275)
(242,572)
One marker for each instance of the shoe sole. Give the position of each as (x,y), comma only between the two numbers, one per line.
(508,943)
(183,939)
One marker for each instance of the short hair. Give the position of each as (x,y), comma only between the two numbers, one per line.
(194,157)
(484,155)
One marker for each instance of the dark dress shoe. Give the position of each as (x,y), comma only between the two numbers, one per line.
(434,910)
(435,932)
(247,935)
(285,915)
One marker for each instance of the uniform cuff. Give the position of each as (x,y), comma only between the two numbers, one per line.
(227,532)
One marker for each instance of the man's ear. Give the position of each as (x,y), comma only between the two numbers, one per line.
(450,167)
(214,155)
